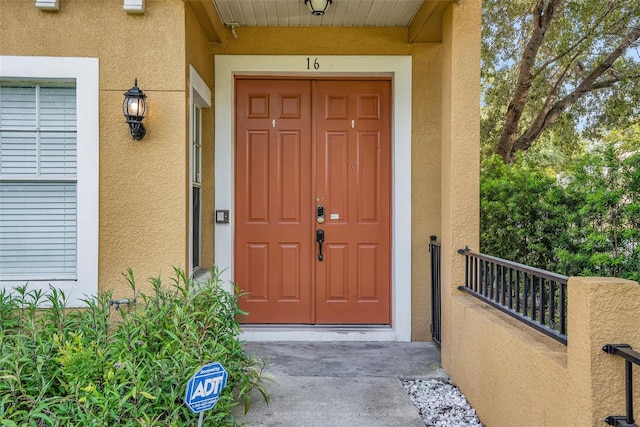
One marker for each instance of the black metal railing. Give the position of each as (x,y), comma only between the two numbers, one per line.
(533,296)
(630,357)
(436,289)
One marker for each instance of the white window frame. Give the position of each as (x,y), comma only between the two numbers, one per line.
(196,182)
(200,96)
(84,71)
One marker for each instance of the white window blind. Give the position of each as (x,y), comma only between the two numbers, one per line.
(38,181)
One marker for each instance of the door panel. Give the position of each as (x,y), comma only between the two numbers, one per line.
(352,182)
(273,210)
(284,170)
(257,176)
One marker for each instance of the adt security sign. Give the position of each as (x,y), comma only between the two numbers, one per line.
(204,387)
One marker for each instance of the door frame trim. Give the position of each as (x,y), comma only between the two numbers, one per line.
(396,67)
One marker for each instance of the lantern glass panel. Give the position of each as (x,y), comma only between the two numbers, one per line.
(135,107)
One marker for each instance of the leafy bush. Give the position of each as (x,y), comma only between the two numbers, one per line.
(583,222)
(602,205)
(101,366)
(521,213)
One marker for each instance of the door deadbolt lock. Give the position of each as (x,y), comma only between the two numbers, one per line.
(320,214)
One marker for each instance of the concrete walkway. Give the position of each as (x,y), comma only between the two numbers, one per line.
(333,384)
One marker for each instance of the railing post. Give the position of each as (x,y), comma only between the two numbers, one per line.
(630,356)
(436,291)
(600,311)
(628,379)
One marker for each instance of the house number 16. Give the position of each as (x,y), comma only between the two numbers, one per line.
(316,64)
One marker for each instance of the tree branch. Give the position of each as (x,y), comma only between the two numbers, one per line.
(589,84)
(530,134)
(608,83)
(542,16)
(578,42)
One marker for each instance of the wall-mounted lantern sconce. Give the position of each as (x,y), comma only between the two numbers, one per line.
(317,7)
(134,108)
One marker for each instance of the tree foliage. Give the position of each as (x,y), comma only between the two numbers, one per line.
(602,203)
(517,212)
(555,69)
(585,221)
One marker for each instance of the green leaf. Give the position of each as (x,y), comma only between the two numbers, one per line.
(147,395)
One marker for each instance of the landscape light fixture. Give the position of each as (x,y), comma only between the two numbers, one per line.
(317,7)
(134,108)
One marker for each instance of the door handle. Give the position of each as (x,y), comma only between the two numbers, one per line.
(320,240)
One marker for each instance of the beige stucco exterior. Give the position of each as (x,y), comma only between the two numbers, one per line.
(142,183)
(145,185)
(199,57)
(514,375)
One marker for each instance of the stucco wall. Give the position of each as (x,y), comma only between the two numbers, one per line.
(425,182)
(514,375)
(510,374)
(460,152)
(198,55)
(142,191)
(600,311)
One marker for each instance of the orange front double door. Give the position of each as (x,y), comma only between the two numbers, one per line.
(313,157)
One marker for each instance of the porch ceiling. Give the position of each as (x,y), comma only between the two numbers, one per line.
(423,18)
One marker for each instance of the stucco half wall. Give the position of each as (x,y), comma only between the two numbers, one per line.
(515,375)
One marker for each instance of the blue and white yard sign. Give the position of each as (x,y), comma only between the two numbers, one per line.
(205,386)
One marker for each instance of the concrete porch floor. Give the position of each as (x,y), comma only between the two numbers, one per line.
(340,383)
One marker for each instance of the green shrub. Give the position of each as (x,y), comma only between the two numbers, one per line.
(102,366)
(521,213)
(583,222)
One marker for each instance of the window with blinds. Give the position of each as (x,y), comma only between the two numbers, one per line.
(196,186)
(38,181)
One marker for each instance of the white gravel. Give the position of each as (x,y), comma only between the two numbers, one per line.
(440,404)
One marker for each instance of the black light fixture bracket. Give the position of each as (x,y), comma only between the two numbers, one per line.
(137,130)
